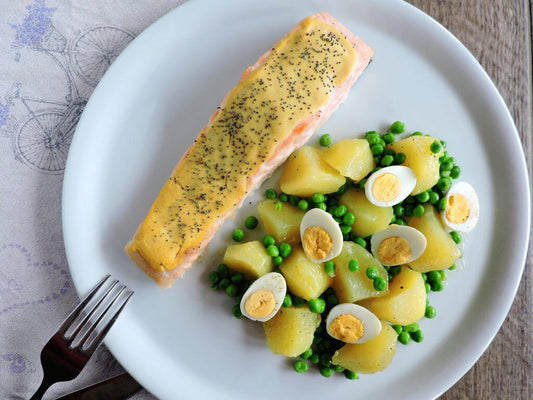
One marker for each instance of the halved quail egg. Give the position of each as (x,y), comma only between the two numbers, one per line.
(352,323)
(264,297)
(397,245)
(321,236)
(462,212)
(390,186)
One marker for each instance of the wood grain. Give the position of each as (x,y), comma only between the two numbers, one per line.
(498,33)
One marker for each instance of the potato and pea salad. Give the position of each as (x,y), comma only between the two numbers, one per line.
(358,235)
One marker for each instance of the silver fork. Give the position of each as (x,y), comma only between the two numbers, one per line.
(67,352)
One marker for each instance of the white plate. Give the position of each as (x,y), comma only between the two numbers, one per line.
(184,342)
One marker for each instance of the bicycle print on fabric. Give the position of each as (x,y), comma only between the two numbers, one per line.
(41,138)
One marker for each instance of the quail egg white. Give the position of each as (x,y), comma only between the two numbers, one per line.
(264,297)
(352,323)
(390,186)
(321,236)
(397,245)
(462,212)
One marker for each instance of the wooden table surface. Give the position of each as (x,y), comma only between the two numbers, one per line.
(498,33)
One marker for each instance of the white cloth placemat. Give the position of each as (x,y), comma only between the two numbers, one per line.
(52,55)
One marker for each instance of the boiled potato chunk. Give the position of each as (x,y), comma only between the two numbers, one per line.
(354,286)
(406,301)
(250,258)
(304,277)
(441,251)
(291,331)
(369,357)
(283,224)
(351,157)
(420,159)
(305,173)
(369,218)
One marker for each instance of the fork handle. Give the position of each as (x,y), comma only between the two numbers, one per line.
(45,384)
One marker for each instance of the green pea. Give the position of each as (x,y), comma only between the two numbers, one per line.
(315,359)
(342,189)
(399,158)
(283,197)
(329,267)
(435,147)
(236,311)
(232,290)
(442,204)
(408,210)
(453,267)
(268,240)
(427,287)
(213,277)
(400,221)
(238,235)
(348,219)
(279,204)
(411,327)
(404,338)
(373,139)
(350,374)
(332,300)
(455,172)
(285,250)
(443,143)
(397,127)
(442,274)
(238,277)
(362,183)
(444,184)
(332,209)
(322,206)
(307,354)
(222,270)
(360,241)
(300,366)
(287,301)
(398,328)
(371,272)
(430,312)
(251,222)
(318,198)
(370,133)
(433,276)
(389,138)
(447,166)
(456,236)
(270,194)
(272,250)
(387,160)
(377,149)
(395,270)
(433,197)
(303,205)
(398,210)
(325,359)
(389,152)
(410,200)
(345,229)
(298,301)
(325,140)
(379,284)
(317,305)
(353,265)
(418,211)
(340,210)
(393,220)
(326,371)
(437,286)
(224,283)
(417,133)
(278,260)
(422,197)
(417,336)
(293,200)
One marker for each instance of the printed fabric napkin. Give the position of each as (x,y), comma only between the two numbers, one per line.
(52,55)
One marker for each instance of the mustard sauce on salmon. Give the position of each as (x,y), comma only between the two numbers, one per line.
(267,105)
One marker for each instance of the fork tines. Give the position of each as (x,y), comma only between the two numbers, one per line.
(86,326)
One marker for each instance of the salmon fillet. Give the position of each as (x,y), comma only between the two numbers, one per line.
(278,104)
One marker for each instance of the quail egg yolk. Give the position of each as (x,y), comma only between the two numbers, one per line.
(317,242)
(260,304)
(458,209)
(386,187)
(347,327)
(394,250)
